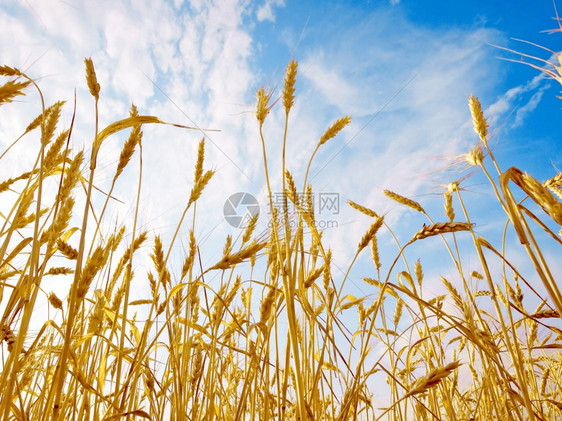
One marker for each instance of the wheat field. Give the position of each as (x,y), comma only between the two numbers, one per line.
(292,343)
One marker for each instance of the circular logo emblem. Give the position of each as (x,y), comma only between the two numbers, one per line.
(239,208)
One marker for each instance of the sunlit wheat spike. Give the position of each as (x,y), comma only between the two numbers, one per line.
(12,89)
(188,263)
(542,196)
(419,272)
(200,186)
(129,147)
(157,257)
(375,252)
(60,222)
(7,334)
(326,276)
(454,293)
(544,380)
(227,248)
(37,120)
(262,108)
(9,71)
(556,190)
(250,228)
(232,291)
(25,201)
(352,301)
(55,301)
(554,181)
(94,263)
(67,250)
(309,201)
(50,123)
(362,209)
(334,129)
(398,312)
(72,177)
(292,192)
(371,232)
(53,157)
(449,211)
(441,228)
(545,314)
(200,159)
(433,378)
(404,200)
(233,259)
(476,156)
(5,185)
(536,191)
(312,277)
(92,79)
(266,305)
(246,297)
(478,121)
(289,87)
(502,298)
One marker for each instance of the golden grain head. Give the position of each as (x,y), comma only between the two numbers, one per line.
(478,121)
(450,212)
(433,378)
(91,78)
(9,71)
(267,305)
(475,157)
(250,227)
(128,150)
(313,276)
(199,186)
(404,200)
(334,129)
(362,209)
(12,89)
(398,312)
(371,232)
(55,301)
(292,189)
(262,108)
(200,159)
(375,252)
(326,276)
(419,272)
(441,228)
(289,87)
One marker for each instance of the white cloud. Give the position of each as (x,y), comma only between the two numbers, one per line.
(525,110)
(507,102)
(265,11)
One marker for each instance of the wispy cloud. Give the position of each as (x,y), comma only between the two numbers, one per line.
(265,11)
(508,102)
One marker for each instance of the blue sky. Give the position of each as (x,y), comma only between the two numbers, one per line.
(402,69)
